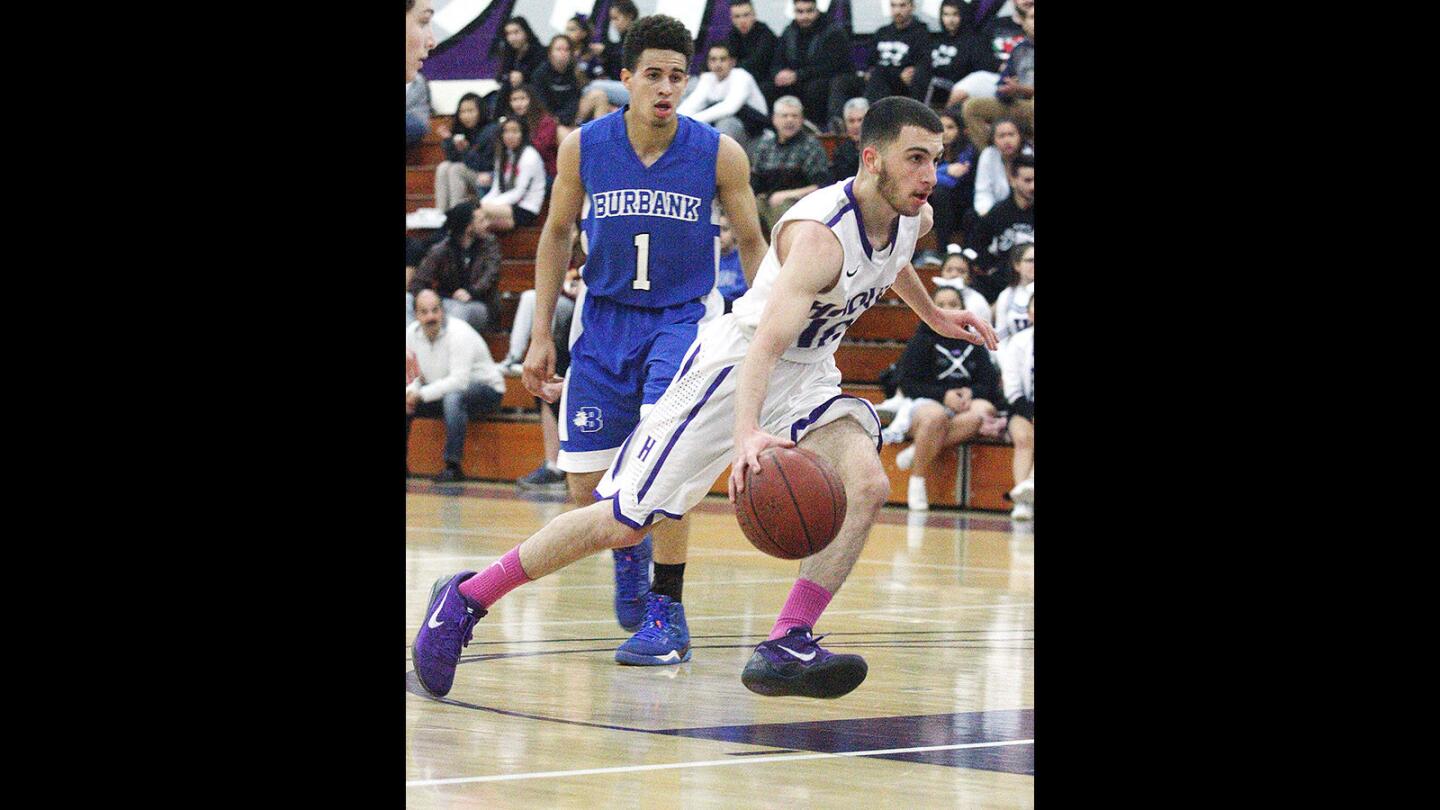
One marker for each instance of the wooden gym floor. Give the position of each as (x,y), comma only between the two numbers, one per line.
(941,606)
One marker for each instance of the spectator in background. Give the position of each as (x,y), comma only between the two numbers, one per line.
(810,56)
(731,279)
(955,274)
(557,82)
(1014,94)
(751,42)
(456,175)
(603,95)
(954,182)
(846,161)
(458,380)
(1008,223)
(542,126)
(1017,368)
(580,32)
(1012,308)
(463,268)
(992,174)
(727,98)
(548,475)
(899,56)
(417,110)
(521,55)
(959,52)
(789,163)
(518,192)
(953,387)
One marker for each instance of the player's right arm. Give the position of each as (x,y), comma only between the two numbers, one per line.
(811,257)
(552,259)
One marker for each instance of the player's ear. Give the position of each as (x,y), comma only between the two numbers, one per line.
(870,159)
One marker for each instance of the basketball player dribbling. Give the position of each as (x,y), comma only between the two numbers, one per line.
(762,376)
(644,180)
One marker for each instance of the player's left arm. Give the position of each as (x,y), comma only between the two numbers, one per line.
(948,322)
(732,181)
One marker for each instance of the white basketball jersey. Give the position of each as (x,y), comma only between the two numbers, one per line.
(866,275)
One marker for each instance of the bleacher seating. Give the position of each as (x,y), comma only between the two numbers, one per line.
(508,445)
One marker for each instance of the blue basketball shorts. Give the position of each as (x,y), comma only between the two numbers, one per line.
(622,358)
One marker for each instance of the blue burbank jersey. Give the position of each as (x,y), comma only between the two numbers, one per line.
(650,232)
(652,247)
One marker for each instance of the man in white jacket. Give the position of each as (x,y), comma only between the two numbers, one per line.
(727,98)
(458,380)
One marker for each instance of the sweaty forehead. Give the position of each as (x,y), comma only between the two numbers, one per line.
(665,60)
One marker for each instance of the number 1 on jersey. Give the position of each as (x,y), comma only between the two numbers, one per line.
(642,262)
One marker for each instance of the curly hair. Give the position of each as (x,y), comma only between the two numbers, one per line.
(659,32)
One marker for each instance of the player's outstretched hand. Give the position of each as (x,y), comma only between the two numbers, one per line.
(747,455)
(955,321)
(540,369)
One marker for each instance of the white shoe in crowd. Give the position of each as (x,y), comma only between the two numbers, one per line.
(919,501)
(905,458)
(1024,492)
(511,369)
(1022,511)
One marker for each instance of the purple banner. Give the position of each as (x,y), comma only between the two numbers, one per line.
(467,55)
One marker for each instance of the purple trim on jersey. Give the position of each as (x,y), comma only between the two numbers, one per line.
(836,218)
(674,437)
(860,222)
(803,424)
(620,516)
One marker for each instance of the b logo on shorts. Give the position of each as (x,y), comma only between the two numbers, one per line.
(588,420)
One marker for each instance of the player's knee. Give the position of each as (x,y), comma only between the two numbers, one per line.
(871,485)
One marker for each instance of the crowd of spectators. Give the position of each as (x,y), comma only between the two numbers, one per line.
(775,93)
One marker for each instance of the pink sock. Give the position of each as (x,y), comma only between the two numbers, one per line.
(807,601)
(503,576)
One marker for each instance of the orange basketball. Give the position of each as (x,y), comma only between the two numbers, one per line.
(794,507)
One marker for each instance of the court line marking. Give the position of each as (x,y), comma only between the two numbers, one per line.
(709,763)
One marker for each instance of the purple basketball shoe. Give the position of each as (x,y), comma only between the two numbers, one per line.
(796,664)
(632,583)
(447,628)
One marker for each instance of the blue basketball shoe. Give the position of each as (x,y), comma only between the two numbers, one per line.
(796,664)
(632,582)
(448,627)
(664,638)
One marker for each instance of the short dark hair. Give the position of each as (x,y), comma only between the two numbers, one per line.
(1019,160)
(626,7)
(734,3)
(721,44)
(409,4)
(659,32)
(889,115)
(812,2)
(1018,252)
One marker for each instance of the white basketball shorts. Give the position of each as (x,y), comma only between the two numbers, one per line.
(675,453)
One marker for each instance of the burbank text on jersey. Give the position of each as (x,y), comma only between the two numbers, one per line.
(644,202)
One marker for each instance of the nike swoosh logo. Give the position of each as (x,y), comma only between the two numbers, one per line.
(432,623)
(852,272)
(797,655)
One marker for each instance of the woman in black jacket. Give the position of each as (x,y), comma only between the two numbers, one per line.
(954,385)
(466,153)
(520,55)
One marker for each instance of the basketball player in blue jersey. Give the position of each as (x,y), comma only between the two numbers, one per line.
(644,181)
(761,376)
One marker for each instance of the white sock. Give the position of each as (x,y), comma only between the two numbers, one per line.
(917,494)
